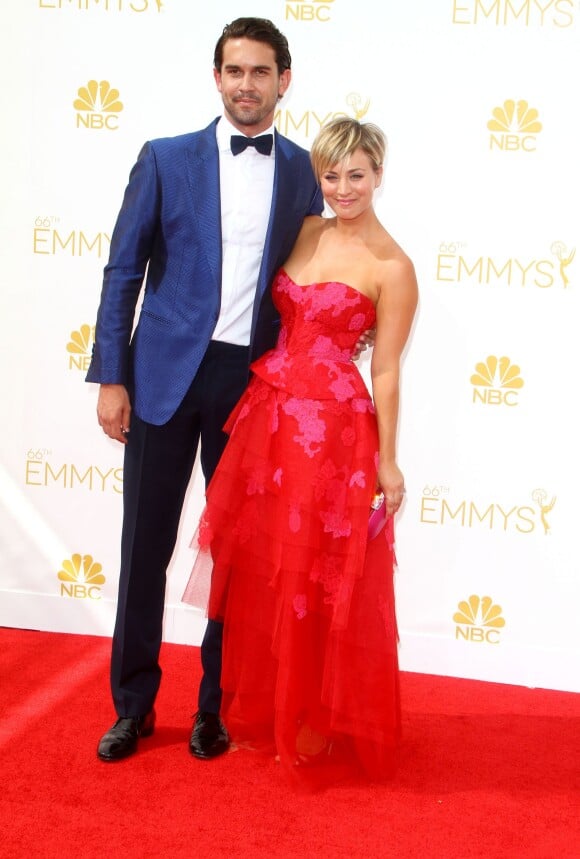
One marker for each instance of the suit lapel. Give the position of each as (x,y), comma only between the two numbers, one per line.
(282,198)
(204,183)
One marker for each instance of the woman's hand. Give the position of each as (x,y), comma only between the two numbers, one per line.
(392,483)
(365,341)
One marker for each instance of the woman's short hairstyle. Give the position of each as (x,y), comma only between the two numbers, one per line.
(260,30)
(341,137)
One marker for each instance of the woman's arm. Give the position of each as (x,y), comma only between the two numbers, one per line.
(395,311)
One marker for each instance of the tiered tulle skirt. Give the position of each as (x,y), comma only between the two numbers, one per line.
(310,667)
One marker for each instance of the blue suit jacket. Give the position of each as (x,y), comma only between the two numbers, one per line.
(169,228)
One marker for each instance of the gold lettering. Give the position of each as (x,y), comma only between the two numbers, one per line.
(525,270)
(528,143)
(294,13)
(494,6)
(505,515)
(38,240)
(290,121)
(442,263)
(491,268)
(510,398)
(79,362)
(478,266)
(528,521)
(509,8)
(49,472)
(568,14)
(457,9)
(32,470)
(56,241)
(542,10)
(460,511)
(97,241)
(118,474)
(103,476)
(473,510)
(426,508)
(74,473)
(321,122)
(547,273)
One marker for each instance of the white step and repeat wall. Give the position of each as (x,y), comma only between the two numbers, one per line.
(478,99)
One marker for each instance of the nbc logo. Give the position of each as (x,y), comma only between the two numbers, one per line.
(304,10)
(496,382)
(97,106)
(514,126)
(79,348)
(478,619)
(81,578)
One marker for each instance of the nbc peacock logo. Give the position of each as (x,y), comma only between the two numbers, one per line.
(496,382)
(98,106)
(514,126)
(79,347)
(81,578)
(478,619)
(308,10)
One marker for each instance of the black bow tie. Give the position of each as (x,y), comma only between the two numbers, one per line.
(263,143)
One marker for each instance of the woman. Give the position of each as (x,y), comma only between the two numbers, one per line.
(303,586)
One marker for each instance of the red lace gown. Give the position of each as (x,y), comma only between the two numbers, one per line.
(310,643)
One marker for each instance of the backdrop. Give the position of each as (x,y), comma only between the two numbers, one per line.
(482,191)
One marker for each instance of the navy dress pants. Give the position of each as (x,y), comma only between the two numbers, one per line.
(157,470)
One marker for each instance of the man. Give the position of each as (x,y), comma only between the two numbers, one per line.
(210,221)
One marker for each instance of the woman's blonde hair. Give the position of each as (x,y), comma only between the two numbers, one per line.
(340,138)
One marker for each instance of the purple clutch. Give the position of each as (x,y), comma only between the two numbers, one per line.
(377,515)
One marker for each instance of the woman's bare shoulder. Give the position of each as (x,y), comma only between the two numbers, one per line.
(312,224)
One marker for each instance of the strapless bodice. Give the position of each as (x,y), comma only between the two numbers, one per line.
(320,327)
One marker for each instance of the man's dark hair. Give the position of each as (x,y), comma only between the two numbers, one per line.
(260,30)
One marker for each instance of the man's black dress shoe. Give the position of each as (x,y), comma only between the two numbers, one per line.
(209,737)
(121,740)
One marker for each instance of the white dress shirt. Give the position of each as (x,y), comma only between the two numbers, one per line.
(246,184)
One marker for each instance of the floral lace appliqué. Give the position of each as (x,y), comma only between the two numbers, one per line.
(294,519)
(358,479)
(326,570)
(299,605)
(310,426)
(336,297)
(335,523)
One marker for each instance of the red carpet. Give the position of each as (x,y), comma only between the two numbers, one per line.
(485,771)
